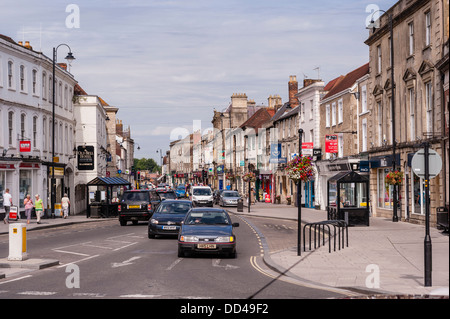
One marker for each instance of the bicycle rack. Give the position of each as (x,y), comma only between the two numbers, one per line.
(339,226)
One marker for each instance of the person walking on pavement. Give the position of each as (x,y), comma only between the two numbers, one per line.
(65,202)
(39,208)
(7,202)
(28,203)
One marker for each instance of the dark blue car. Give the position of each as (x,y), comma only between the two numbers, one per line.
(207,230)
(166,220)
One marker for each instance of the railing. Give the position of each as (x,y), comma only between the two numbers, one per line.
(340,228)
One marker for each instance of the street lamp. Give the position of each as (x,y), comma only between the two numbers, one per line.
(394,142)
(69,59)
(299,198)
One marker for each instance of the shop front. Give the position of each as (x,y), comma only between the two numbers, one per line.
(22,178)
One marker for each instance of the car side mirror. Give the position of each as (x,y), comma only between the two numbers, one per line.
(235,225)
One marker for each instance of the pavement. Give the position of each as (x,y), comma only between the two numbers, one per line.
(383,260)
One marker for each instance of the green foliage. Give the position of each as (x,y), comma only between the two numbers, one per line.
(142,164)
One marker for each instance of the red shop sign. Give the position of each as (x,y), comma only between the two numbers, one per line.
(331,144)
(25,146)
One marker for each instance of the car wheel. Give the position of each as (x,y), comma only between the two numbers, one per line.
(123,222)
(180,252)
(151,236)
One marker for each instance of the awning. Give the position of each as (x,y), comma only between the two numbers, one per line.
(108,181)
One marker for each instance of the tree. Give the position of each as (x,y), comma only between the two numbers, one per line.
(143,164)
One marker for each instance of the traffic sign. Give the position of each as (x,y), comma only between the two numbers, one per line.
(418,163)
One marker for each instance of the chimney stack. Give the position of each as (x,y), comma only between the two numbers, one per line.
(293,89)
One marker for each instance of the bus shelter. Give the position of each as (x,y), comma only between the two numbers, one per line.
(102,202)
(348,198)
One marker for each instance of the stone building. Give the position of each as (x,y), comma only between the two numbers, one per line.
(416,110)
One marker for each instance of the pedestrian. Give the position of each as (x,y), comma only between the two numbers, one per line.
(7,202)
(65,202)
(39,208)
(28,203)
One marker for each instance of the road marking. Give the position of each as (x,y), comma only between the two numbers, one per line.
(88,294)
(139,296)
(216,263)
(124,263)
(78,261)
(70,252)
(37,293)
(174,264)
(20,278)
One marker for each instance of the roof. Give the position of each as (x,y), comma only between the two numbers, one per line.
(259,118)
(285,111)
(346,82)
(349,177)
(108,181)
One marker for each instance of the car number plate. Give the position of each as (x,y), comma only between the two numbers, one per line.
(134,206)
(206,246)
(169,227)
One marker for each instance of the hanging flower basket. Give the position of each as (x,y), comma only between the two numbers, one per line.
(249,177)
(230,177)
(394,178)
(300,169)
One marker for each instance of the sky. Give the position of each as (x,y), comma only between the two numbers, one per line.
(167,63)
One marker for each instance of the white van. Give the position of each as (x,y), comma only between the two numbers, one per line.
(201,196)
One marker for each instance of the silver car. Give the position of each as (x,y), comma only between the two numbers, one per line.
(229,198)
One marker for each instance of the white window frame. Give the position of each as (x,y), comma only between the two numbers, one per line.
(411,38)
(327,115)
(333,114)
(428,28)
(340,111)
(429,106)
(412,114)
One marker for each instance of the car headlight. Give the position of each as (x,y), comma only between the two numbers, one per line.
(189,239)
(154,221)
(224,239)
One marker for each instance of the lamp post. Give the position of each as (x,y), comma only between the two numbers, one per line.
(69,59)
(394,142)
(299,198)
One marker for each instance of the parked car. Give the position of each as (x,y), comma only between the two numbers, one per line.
(167,218)
(229,198)
(181,191)
(207,230)
(202,196)
(134,206)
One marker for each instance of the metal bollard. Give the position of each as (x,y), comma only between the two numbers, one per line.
(17,241)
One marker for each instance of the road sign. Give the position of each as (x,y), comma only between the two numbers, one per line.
(418,163)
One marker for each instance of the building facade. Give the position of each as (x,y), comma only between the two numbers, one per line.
(26,124)
(416,110)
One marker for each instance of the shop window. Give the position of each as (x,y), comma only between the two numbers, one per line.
(25,186)
(2,187)
(385,191)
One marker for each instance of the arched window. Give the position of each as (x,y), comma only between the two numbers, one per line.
(44,86)
(10,127)
(10,74)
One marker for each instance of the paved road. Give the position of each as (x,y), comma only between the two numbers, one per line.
(121,262)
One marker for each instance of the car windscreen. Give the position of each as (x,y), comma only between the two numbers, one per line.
(174,208)
(207,218)
(167,195)
(230,194)
(201,192)
(135,197)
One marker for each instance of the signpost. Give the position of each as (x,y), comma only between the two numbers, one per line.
(427,164)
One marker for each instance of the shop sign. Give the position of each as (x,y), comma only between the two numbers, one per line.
(25,146)
(86,156)
(331,144)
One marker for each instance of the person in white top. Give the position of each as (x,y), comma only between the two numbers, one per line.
(7,202)
(65,203)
